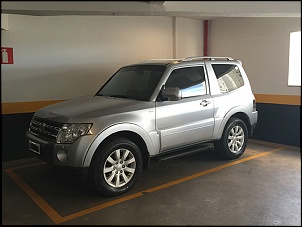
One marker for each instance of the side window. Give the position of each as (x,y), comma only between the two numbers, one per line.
(190,80)
(228,76)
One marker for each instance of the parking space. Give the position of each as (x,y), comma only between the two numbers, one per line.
(113,82)
(263,187)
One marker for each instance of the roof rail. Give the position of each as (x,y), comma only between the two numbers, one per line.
(165,59)
(205,57)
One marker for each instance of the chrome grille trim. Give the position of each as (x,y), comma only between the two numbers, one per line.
(45,129)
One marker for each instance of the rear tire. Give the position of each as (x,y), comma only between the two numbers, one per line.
(234,139)
(116,167)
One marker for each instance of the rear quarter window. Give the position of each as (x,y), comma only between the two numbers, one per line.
(228,76)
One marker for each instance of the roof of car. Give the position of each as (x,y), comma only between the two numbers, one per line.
(184,60)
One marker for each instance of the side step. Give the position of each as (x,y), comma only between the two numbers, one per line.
(182,152)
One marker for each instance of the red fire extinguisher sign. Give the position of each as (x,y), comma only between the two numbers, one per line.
(7,55)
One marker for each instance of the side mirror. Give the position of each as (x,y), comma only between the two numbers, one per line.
(172,93)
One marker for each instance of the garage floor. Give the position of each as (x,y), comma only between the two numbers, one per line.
(263,187)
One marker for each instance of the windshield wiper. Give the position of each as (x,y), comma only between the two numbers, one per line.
(113,96)
(119,96)
(123,96)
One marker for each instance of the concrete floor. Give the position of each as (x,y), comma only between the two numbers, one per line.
(261,188)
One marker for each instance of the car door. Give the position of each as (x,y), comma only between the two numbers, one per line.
(190,119)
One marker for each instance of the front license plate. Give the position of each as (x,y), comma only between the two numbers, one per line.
(35,147)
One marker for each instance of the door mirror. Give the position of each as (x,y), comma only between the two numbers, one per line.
(171,93)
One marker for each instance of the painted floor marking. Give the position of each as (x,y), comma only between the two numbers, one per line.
(35,197)
(57,218)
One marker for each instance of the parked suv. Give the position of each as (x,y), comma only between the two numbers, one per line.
(152,109)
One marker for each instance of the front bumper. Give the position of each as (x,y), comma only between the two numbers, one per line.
(39,148)
(49,152)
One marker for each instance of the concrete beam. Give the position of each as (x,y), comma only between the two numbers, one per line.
(192,9)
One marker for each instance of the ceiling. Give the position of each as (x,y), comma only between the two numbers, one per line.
(204,10)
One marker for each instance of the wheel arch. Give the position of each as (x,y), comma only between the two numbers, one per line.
(235,113)
(244,117)
(137,139)
(129,131)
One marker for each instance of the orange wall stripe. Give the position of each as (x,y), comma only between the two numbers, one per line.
(279,99)
(25,107)
(30,107)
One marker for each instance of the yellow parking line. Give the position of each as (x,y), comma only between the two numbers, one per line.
(101,206)
(28,165)
(59,219)
(35,197)
(210,170)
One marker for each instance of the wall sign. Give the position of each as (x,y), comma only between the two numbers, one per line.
(7,55)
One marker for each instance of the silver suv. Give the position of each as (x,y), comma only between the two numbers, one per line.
(154,109)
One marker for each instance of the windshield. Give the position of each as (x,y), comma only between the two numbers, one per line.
(133,82)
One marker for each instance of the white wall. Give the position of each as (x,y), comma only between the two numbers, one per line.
(4,21)
(61,57)
(262,44)
(189,37)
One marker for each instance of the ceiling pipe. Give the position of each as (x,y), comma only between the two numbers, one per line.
(205,37)
(174,36)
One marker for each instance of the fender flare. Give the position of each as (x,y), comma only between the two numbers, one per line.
(228,115)
(115,129)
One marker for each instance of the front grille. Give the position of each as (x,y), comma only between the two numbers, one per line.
(45,129)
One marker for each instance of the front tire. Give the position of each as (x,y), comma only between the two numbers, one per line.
(116,167)
(234,139)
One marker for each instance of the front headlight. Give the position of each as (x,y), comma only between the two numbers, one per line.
(70,132)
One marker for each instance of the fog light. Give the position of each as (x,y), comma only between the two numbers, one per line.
(62,155)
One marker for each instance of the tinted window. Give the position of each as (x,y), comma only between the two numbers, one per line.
(134,82)
(228,76)
(191,81)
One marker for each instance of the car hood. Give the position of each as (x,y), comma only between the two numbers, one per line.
(86,107)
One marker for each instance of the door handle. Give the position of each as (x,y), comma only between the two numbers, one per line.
(205,102)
